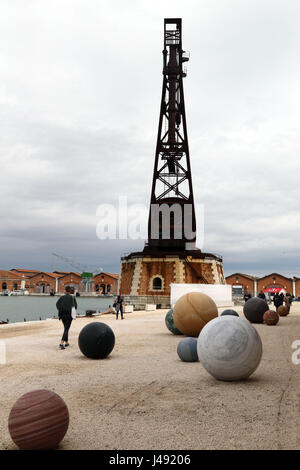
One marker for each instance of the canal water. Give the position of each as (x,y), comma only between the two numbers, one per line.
(16,308)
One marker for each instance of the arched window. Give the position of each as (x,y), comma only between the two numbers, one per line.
(97,287)
(157,283)
(15,286)
(37,289)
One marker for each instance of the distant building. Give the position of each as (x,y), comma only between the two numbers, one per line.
(269,284)
(40,282)
(106,283)
(241,284)
(43,283)
(11,280)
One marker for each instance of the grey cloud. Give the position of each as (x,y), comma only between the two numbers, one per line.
(80,94)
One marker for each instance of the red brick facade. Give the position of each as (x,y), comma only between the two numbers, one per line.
(275,280)
(71,279)
(152,276)
(10,280)
(42,283)
(255,285)
(105,283)
(239,279)
(297,286)
(37,282)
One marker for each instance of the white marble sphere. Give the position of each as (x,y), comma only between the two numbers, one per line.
(229,348)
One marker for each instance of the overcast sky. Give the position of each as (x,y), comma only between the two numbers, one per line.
(80,89)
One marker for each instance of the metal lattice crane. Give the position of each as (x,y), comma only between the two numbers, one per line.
(78,266)
(172,179)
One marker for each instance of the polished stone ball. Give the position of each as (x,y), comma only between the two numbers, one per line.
(229,348)
(96,340)
(38,420)
(229,312)
(170,323)
(192,311)
(271,317)
(187,350)
(282,311)
(254,309)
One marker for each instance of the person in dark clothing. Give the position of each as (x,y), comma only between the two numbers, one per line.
(261,295)
(247,297)
(288,299)
(119,307)
(64,306)
(278,300)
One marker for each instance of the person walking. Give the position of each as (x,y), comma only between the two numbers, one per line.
(64,306)
(288,301)
(119,307)
(277,300)
(262,295)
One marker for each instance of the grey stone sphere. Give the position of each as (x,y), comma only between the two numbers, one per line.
(254,309)
(187,350)
(229,311)
(229,348)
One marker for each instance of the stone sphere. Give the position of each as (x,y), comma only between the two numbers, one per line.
(271,317)
(187,350)
(282,311)
(229,348)
(38,420)
(170,323)
(229,312)
(96,340)
(254,309)
(192,311)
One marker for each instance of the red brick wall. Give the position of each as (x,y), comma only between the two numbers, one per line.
(34,284)
(279,281)
(69,280)
(11,279)
(152,269)
(126,278)
(107,280)
(239,280)
(193,272)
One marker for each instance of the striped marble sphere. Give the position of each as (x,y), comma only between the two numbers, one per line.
(38,420)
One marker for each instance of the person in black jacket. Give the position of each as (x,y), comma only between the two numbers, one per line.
(64,306)
(261,295)
(278,301)
(119,307)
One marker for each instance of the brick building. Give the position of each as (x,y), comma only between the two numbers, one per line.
(242,284)
(11,280)
(38,282)
(269,284)
(73,280)
(147,279)
(105,283)
(296,282)
(275,283)
(42,283)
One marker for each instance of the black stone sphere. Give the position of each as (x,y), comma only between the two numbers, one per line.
(229,311)
(254,309)
(96,340)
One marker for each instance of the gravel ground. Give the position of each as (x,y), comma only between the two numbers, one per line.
(144,397)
